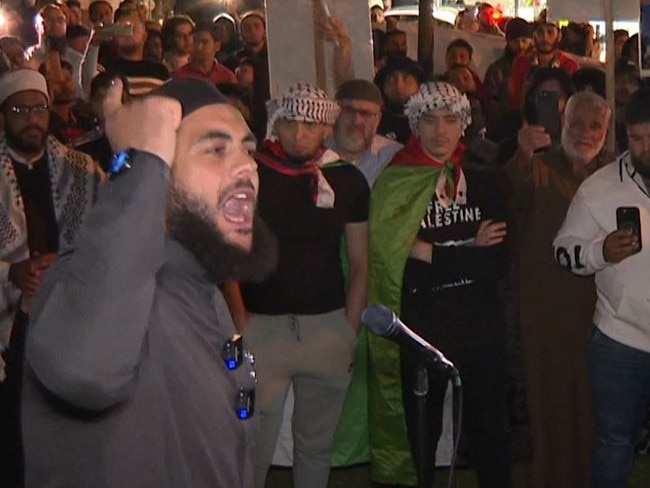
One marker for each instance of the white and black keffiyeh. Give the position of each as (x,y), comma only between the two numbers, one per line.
(438,96)
(304,103)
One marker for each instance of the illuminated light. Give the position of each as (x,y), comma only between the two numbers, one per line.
(3,19)
(496,15)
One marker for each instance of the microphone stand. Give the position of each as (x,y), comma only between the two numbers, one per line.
(421,390)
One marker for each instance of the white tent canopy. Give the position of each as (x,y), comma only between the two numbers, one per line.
(624,10)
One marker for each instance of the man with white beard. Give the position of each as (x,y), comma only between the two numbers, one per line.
(584,132)
(595,241)
(556,308)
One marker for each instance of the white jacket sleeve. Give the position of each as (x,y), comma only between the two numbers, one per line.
(578,245)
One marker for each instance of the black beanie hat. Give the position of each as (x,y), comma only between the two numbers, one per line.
(404,65)
(191,93)
(359,90)
(516,28)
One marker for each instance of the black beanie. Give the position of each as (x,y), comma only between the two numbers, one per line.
(191,93)
(403,65)
(516,28)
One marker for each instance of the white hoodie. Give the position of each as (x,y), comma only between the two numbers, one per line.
(623,304)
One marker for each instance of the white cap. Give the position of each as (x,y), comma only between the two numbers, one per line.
(20,80)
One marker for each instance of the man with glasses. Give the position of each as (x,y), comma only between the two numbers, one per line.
(355,132)
(45,193)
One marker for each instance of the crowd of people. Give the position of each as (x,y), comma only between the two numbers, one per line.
(179,250)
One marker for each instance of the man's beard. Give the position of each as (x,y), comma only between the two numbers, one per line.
(585,156)
(189,222)
(17,142)
(349,141)
(550,50)
(641,164)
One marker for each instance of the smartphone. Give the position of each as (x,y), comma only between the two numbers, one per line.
(109,31)
(629,218)
(548,113)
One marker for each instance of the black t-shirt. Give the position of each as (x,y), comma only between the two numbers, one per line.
(455,300)
(309,278)
(36,191)
(141,76)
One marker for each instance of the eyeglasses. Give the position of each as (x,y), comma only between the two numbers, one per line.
(25,110)
(234,355)
(365,114)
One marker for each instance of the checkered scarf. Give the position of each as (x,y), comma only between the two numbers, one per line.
(304,103)
(438,96)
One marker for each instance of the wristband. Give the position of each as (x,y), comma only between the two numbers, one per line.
(120,163)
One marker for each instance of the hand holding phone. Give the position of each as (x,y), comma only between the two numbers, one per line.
(629,218)
(532,138)
(626,240)
(548,114)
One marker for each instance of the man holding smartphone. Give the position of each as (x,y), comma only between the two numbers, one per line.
(589,242)
(555,308)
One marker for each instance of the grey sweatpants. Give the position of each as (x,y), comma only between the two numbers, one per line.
(314,353)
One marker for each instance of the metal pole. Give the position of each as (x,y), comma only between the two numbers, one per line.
(420,391)
(609,66)
(425,36)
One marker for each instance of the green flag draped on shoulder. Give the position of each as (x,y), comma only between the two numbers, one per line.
(373,414)
(397,204)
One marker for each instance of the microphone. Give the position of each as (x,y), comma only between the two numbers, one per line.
(383,322)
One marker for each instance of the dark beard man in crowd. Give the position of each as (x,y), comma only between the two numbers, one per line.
(134,377)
